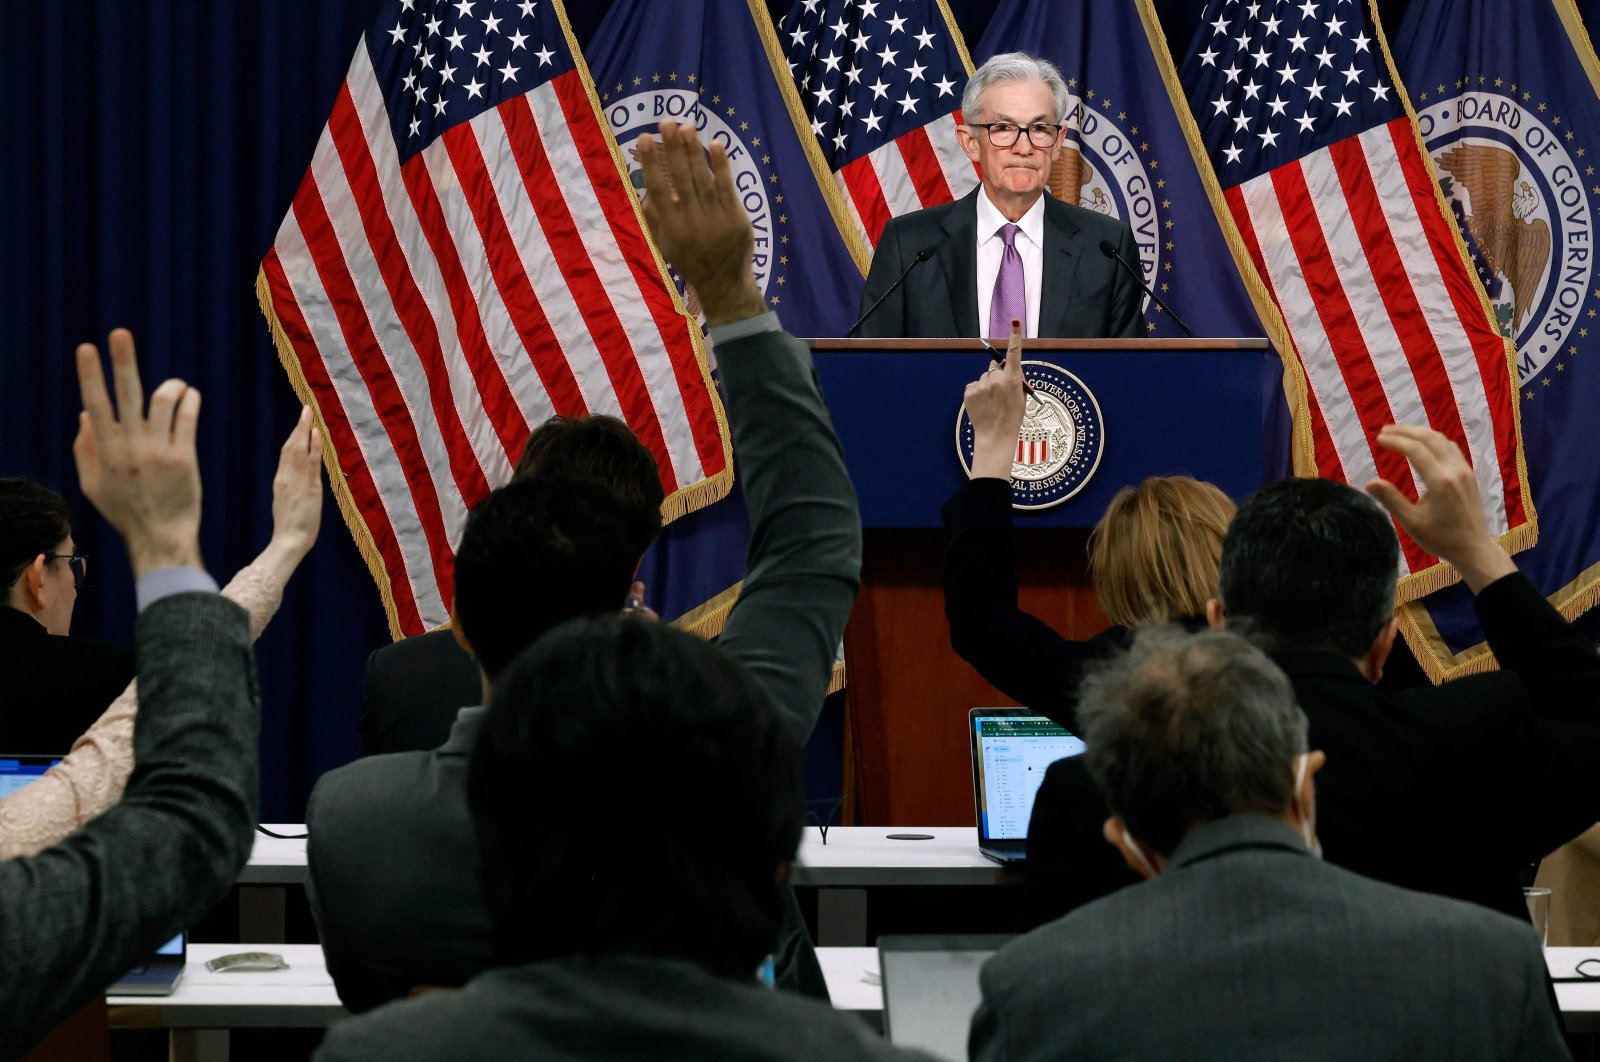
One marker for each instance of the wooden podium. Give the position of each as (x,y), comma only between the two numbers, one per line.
(1210,408)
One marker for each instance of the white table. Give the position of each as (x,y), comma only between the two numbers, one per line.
(1580,1001)
(206,1005)
(275,863)
(858,858)
(852,977)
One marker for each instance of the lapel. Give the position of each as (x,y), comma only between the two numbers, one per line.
(958,258)
(1063,256)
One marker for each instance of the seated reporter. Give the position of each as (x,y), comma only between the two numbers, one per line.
(1244,944)
(1152,557)
(52,687)
(91,777)
(81,913)
(618,935)
(414,688)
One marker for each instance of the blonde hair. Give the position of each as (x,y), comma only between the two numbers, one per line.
(1154,554)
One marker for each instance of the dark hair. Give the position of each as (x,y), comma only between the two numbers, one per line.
(33,520)
(534,554)
(602,450)
(634,790)
(1185,729)
(1310,564)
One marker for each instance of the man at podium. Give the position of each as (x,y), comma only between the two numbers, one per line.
(1006,250)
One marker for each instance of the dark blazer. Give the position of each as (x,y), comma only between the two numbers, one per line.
(1248,948)
(620,1008)
(391,859)
(1084,294)
(53,688)
(85,911)
(412,692)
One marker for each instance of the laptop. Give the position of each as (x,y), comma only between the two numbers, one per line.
(159,976)
(930,989)
(16,772)
(1011,750)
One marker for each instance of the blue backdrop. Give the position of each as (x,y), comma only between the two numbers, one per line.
(151,151)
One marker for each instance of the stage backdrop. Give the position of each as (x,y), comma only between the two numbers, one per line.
(151,152)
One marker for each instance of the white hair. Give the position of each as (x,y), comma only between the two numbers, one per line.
(1013,66)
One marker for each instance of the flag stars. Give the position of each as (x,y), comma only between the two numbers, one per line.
(474,89)
(1262,56)
(1233,155)
(1343,106)
(433,25)
(924,40)
(1288,74)
(1306,122)
(491,25)
(456,40)
(840,28)
(398,34)
(483,57)
(518,40)
(1269,138)
(945,86)
(526,7)
(508,72)
(1352,75)
(1297,43)
(1325,58)
(1335,27)
(1209,57)
(888,55)
(916,71)
(897,25)
(1379,91)
(908,103)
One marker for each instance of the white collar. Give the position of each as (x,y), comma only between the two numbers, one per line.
(990,219)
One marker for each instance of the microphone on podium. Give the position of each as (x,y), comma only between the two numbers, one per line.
(922,256)
(1109,249)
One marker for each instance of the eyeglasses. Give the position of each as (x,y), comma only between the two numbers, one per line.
(79,563)
(1005,134)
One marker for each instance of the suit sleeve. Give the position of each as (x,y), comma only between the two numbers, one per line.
(986,1036)
(804,564)
(1126,299)
(80,914)
(1018,653)
(889,322)
(1552,657)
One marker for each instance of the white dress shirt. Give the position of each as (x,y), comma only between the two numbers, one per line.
(1030,245)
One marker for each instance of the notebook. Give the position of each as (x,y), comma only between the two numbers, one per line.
(1011,750)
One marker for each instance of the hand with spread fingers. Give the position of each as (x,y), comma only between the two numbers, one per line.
(996,403)
(1447,519)
(696,220)
(140,470)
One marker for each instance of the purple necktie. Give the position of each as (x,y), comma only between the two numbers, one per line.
(1009,302)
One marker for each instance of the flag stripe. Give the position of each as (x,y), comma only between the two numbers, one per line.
(680,381)
(330,405)
(961,174)
(894,180)
(922,167)
(567,283)
(399,315)
(489,415)
(1487,374)
(860,180)
(367,369)
(339,379)
(1414,337)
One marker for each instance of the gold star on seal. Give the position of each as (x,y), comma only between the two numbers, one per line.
(655,79)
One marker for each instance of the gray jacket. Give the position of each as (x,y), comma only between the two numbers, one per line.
(392,862)
(1249,948)
(83,912)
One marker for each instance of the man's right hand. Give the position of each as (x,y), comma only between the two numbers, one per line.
(140,471)
(695,217)
(1447,518)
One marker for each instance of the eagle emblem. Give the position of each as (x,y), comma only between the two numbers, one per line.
(1501,214)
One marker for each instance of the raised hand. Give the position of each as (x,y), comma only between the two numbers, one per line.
(995,403)
(297,489)
(140,471)
(696,220)
(1447,519)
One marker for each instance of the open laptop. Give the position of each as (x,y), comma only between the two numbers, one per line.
(159,976)
(930,989)
(1011,750)
(19,771)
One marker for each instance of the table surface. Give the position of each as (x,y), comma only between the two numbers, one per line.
(300,997)
(852,977)
(854,857)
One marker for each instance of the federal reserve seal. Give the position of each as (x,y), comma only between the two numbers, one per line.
(1059,447)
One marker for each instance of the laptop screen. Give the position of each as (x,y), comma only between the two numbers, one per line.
(17,771)
(1011,753)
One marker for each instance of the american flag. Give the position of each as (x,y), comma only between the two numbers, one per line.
(881,84)
(1321,170)
(463,259)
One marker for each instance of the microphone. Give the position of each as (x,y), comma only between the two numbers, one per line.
(1109,249)
(922,256)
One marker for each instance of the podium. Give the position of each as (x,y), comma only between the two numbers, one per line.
(1210,408)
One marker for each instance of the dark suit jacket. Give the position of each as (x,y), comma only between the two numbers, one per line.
(412,693)
(53,688)
(392,861)
(1248,948)
(85,911)
(618,1008)
(1083,294)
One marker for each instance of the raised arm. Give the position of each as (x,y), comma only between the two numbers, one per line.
(79,914)
(804,565)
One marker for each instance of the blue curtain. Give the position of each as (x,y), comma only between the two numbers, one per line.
(151,150)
